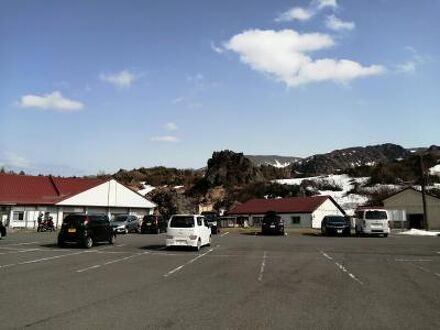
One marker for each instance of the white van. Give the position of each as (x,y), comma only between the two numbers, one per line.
(372,221)
(188,230)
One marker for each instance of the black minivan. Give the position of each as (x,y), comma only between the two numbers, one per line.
(154,224)
(272,224)
(85,230)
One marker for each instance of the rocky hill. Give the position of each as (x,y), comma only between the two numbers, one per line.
(338,160)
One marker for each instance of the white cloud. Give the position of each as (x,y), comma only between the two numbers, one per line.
(295,13)
(121,80)
(53,101)
(335,24)
(410,66)
(304,14)
(13,160)
(166,138)
(283,56)
(407,67)
(171,126)
(326,3)
(217,49)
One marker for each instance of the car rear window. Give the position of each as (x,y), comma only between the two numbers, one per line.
(376,215)
(74,219)
(182,222)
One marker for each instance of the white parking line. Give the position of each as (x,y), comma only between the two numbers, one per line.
(326,255)
(224,234)
(41,259)
(110,262)
(263,265)
(26,243)
(187,263)
(342,268)
(413,260)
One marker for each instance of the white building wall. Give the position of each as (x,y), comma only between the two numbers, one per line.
(326,208)
(109,194)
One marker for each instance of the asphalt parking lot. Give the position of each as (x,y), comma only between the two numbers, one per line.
(240,282)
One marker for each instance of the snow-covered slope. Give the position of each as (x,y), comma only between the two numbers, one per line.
(348,201)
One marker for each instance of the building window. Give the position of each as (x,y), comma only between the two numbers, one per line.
(18,216)
(296,220)
(257,221)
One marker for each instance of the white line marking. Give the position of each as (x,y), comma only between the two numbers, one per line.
(224,234)
(342,268)
(326,255)
(88,268)
(41,259)
(263,265)
(413,260)
(26,243)
(110,262)
(187,263)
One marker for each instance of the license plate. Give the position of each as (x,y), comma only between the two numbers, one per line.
(148,224)
(272,226)
(339,231)
(71,230)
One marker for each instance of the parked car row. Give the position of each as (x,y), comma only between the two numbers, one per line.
(367,221)
(87,229)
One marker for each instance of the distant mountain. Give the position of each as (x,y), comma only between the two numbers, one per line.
(339,160)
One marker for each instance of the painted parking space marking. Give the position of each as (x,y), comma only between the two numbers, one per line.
(413,260)
(110,262)
(342,268)
(263,265)
(224,234)
(41,259)
(187,263)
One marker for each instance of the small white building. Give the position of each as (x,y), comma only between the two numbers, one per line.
(297,212)
(23,198)
(410,201)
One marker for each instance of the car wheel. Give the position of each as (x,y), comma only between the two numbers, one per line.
(112,238)
(61,244)
(126,231)
(209,242)
(385,235)
(88,242)
(199,245)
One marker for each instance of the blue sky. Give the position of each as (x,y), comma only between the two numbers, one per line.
(90,86)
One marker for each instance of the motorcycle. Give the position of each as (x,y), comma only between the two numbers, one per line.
(46,225)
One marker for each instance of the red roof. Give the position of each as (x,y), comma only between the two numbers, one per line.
(38,190)
(281,205)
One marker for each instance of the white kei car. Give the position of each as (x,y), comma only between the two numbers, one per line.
(188,230)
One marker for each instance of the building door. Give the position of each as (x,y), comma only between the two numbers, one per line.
(415,220)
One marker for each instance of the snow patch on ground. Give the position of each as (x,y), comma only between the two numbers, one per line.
(278,164)
(419,232)
(146,188)
(348,201)
(435,170)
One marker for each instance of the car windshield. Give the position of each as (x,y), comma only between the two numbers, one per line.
(182,222)
(120,218)
(337,220)
(376,215)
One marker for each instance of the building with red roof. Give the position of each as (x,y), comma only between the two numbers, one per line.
(23,198)
(301,212)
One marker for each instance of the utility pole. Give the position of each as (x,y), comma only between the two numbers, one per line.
(425,213)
